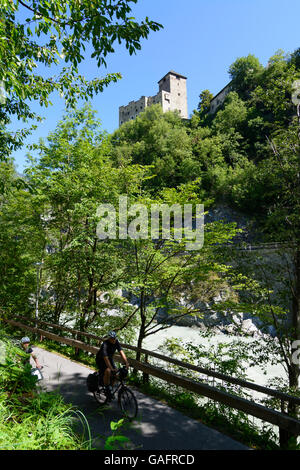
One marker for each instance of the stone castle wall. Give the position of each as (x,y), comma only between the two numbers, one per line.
(219,99)
(172,96)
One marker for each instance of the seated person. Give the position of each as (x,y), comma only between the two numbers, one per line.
(25,343)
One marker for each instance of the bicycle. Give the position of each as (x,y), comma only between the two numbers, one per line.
(126,399)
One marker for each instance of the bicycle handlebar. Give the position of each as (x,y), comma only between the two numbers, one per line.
(117,372)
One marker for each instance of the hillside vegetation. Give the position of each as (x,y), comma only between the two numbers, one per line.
(247,155)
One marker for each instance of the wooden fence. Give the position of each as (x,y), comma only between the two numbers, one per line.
(287,425)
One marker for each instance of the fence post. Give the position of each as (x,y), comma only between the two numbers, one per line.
(145,375)
(284,435)
(77,337)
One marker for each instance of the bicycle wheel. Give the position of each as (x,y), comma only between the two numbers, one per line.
(100,396)
(127,403)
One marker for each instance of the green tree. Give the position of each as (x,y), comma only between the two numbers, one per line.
(164,275)
(295,58)
(232,116)
(204,104)
(244,73)
(41,35)
(277,302)
(240,131)
(206,147)
(159,140)
(272,95)
(22,242)
(285,214)
(205,98)
(72,177)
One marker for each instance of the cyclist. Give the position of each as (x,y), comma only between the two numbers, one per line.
(105,361)
(25,343)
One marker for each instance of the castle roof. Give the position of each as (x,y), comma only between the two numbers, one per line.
(173,73)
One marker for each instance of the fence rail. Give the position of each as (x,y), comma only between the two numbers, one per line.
(285,422)
(259,246)
(209,372)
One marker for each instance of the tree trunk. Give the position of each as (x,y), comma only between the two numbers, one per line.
(294,369)
(142,328)
(286,438)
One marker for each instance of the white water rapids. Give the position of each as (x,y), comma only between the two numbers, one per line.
(191,334)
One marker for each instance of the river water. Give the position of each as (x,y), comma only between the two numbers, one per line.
(191,334)
(254,373)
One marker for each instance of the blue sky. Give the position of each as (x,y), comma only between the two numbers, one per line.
(200,39)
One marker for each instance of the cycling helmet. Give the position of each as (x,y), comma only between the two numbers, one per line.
(112,334)
(25,339)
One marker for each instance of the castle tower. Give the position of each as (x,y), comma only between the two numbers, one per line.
(174,93)
(172,96)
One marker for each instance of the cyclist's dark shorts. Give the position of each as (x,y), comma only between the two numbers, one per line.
(102,364)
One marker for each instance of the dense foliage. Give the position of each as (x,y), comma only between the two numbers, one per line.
(31,419)
(42,45)
(246,154)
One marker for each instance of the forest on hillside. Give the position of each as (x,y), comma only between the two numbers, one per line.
(55,263)
(245,155)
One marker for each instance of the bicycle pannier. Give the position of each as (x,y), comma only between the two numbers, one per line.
(92,382)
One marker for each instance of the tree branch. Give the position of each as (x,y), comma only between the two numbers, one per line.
(38,13)
(127,320)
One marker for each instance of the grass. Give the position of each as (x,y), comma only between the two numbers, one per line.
(32,419)
(29,418)
(40,422)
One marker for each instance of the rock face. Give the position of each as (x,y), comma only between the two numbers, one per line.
(210,317)
(222,212)
(217,322)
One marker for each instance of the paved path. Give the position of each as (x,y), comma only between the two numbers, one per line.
(158,427)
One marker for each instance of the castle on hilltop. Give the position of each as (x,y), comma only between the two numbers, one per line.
(172,96)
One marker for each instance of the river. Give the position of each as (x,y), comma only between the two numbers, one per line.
(191,334)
